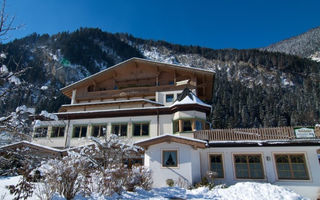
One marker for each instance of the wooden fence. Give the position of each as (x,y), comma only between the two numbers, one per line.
(278,133)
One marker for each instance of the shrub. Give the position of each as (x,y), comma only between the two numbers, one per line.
(96,169)
(170,182)
(64,176)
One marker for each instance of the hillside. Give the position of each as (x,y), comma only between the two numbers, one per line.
(306,45)
(253,88)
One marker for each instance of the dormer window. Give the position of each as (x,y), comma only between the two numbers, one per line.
(169,98)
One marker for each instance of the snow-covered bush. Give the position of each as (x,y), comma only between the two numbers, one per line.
(13,160)
(18,124)
(96,169)
(139,176)
(65,176)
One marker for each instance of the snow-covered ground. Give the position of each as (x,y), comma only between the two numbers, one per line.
(239,191)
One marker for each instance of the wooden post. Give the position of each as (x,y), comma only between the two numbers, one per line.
(73,99)
(193,124)
(180,126)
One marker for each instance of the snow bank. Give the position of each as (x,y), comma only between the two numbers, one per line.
(239,191)
(4,182)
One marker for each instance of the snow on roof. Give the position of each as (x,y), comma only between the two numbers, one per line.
(33,144)
(189,97)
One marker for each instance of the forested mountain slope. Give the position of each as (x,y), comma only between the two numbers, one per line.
(305,45)
(253,88)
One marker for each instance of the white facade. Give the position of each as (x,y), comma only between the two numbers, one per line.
(187,170)
(194,163)
(308,188)
(158,125)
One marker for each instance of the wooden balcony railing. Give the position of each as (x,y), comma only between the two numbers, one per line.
(130,92)
(278,133)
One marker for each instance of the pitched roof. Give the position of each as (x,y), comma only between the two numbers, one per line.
(172,138)
(134,59)
(188,97)
(38,147)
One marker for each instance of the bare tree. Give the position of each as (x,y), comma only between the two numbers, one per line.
(15,123)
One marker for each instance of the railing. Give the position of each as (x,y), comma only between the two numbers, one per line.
(278,133)
(133,91)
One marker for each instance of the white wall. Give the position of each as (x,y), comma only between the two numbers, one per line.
(165,127)
(188,164)
(161,97)
(308,188)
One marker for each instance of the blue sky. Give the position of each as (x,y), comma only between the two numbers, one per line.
(208,23)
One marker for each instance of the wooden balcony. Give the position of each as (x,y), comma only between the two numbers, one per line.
(130,92)
(278,133)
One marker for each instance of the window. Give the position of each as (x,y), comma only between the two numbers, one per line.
(119,129)
(41,132)
(99,130)
(248,166)
(169,98)
(169,158)
(187,125)
(175,126)
(198,125)
(80,131)
(216,165)
(292,166)
(140,129)
(57,131)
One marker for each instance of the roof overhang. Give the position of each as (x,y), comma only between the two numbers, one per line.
(264,143)
(195,143)
(35,147)
(67,90)
(65,106)
(132,112)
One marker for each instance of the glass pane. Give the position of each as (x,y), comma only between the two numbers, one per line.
(216,165)
(296,159)
(169,98)
(76,131)
(198,125)
(83,131)
(176,126)
(242,170)
(187,125)
(61,133)
(256,171)
(55,132)
(96,131)
(123,130)
(136,130)
(169,159)
(115,129)
(145,129)
(103,130)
